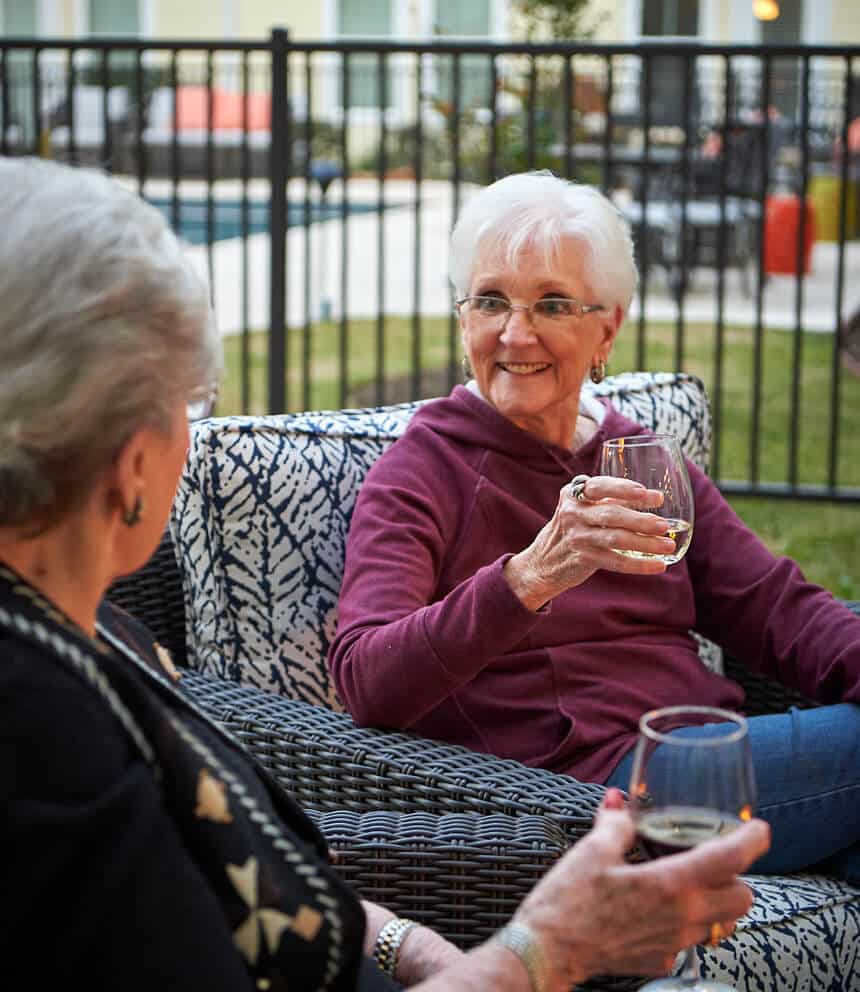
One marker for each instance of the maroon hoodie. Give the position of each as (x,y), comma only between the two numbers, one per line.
(430,637)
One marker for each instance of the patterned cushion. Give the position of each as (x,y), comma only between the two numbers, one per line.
(262,513)
(803,933)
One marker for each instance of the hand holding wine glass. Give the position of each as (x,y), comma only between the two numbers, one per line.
(656,461)
(687,786)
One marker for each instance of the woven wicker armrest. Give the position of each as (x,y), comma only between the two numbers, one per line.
(328,764)
(463,874)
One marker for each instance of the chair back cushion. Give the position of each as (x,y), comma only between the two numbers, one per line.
(262,513)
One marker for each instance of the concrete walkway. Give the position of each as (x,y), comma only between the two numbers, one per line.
(393,288)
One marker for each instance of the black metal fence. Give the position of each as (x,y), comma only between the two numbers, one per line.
(317,184)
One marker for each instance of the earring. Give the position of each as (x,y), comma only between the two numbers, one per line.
(133,516)
(598,372)
(467,369)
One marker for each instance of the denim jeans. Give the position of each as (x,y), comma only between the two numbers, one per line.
(807,765)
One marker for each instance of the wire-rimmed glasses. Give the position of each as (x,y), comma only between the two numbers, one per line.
(494,312)
(201,403)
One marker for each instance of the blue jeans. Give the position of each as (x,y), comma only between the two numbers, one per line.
(807,765)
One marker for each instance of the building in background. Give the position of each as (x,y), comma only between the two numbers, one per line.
(717,21)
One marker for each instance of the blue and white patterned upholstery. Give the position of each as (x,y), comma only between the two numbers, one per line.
(802,933)
(262,514)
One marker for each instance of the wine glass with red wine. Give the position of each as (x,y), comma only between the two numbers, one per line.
(687,786)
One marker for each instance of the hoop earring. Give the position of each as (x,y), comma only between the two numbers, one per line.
(598,372)
(132,517)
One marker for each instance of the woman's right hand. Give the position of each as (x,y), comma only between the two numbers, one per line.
(595,914)
(580,537)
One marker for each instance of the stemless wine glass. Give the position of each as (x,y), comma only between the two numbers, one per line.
(656,461)
(685,788)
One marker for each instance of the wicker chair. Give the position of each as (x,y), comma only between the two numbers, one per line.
(448,836)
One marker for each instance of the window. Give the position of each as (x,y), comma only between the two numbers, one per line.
(367,19)
(669,73)
(18,17)
(113,17)
(459,19)
(670,17)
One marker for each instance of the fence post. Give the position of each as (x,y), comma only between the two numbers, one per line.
(278,177)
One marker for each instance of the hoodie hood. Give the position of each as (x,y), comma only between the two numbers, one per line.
(469,419)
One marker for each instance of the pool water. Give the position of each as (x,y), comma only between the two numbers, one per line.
(227,216)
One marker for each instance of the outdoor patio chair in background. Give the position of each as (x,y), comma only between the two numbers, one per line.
(713,211)
(193,134)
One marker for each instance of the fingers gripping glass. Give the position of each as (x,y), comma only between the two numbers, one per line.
(494,312)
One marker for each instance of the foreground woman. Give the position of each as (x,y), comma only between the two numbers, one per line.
(143,849)
(483,603)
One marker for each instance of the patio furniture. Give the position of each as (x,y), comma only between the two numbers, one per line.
(244,590)
(237,125)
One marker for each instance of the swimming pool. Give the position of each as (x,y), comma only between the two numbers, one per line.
(227,216)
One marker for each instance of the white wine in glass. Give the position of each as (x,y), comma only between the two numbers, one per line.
(656,461)
(685,788)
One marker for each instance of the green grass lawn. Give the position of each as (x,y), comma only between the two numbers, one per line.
(823,537)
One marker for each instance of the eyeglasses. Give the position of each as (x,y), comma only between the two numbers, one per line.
(201,403)
(494,312)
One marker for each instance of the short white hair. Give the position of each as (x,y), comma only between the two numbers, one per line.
(537,210)
(104,327)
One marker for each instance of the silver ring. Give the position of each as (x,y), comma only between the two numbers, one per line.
(577,487)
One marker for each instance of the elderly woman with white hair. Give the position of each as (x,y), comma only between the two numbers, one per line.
(483,601)
(143,848)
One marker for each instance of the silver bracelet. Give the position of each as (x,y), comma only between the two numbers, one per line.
(524,942)
(386,950)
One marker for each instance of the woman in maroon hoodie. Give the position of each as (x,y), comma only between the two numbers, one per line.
(482,603)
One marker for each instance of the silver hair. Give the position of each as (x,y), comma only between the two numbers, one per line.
(104,326)
(536,210)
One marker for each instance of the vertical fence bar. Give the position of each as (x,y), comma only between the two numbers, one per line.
(244,230)
(643,236)
(722,254)
(210,170)
(37,102)
(107,137)
(758,340)
(5,122)
(567,119)
(531,111)
(455,190)
(493,144)
(139,94)
(308,269)
(797,337)
(72,148)
(686,229)
(382,69)
(835,362)
(175,200)
(344,231)
(418,172)
(278,223)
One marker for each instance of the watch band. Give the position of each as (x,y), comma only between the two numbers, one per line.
(524,942)
(386,950)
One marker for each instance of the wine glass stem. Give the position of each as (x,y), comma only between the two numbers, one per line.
(690,972)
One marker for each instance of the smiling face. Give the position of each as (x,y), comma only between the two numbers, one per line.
(533,375)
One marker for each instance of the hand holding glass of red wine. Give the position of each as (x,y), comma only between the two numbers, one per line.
(687,786)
